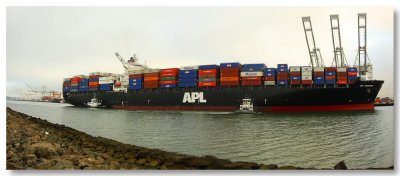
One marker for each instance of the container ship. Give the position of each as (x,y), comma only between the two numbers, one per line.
(224,86)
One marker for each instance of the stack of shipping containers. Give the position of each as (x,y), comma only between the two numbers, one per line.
(66,85)
(151,78)
(306,75)
(282,75)
(168,77)
(208,75)
(84,85)
(229,74)
(94,81)
(318,75)
(330,75)
(295,75)
(75,84)
(269,76)
(352,74)
(188,76)
(135,81)
(106,82)
(341,76)
(251,74)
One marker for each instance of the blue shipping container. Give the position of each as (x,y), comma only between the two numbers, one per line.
(131,87)
(205,67)
(135,83)
(187,80)
(254,66)
(93,79)
(318,78)
(282,66)
(251,69)
(73,90)
(330,73)
(188,76)
(135,79)
(270,69)
(84,90)
(74,87)
(330,81)
(230,65)
(352,69)
(352,78)
(82,87)
(194,84)
(184,72)
(93,89)
(269,74)
(319,81)
(105,88)
(282,83)
(282,70)
(66,89)
(295,77)
(167,85)
(84,80)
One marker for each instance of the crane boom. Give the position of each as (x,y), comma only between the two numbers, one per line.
(121,59)
(312,49)
(362,42)
(339,58)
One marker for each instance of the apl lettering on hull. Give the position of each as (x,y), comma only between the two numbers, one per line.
(191,97)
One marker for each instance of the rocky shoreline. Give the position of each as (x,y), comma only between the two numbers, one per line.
(33,143)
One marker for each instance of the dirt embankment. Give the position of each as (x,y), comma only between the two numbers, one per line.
(33,143)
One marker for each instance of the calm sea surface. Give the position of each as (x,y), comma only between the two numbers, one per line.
(363,139)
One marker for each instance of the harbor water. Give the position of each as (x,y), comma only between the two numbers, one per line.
(363,139)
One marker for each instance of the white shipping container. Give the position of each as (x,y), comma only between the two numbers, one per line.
(106,82)
(342,69)
(248,74)
(193,67)
(67,79)
(319,69)
(269,83)
(306,68)
(153,70)
(135,68)
(306,73)
(104,78)
(94,73)
(136,72)
(306,77)
(294,68)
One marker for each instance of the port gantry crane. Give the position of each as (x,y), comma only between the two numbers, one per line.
(314,52)
(339,57)
(364,65)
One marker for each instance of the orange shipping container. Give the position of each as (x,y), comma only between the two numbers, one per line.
(229,74)
(152,78)
(342,78)
(342,82)
(207,84)
(229,70)
(233,78)
(93,83)
(342,73)
(330,77)
(208,71)
(151,74)
(169,70)
(169,74)
(252,78)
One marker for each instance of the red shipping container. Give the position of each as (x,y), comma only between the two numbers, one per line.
(352,73)
(229,83)
(66,84)
(93,86)
(282,78)
(168,82)
(342,78)
(213,75)
(331,69)
(251,83)
(94,76)
(341,81)
(330,77)
(169,70)
(169,74)
(342,73)
(229,70)
(136,76)
(207,84)
(229,74)
(318,73)
(151,74)
(269,78)
(150,84)
(295,82)
(306,82)
(296,73)
(74,81)
(208,71)
(283,74)
(252,78)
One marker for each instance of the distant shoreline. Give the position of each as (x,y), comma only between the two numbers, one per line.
(33,143)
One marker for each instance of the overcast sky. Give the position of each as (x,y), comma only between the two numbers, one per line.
(47,44)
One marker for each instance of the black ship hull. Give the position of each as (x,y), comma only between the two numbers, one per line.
(358,96)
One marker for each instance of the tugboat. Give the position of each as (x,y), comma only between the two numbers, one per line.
(94,102)
(246,107)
